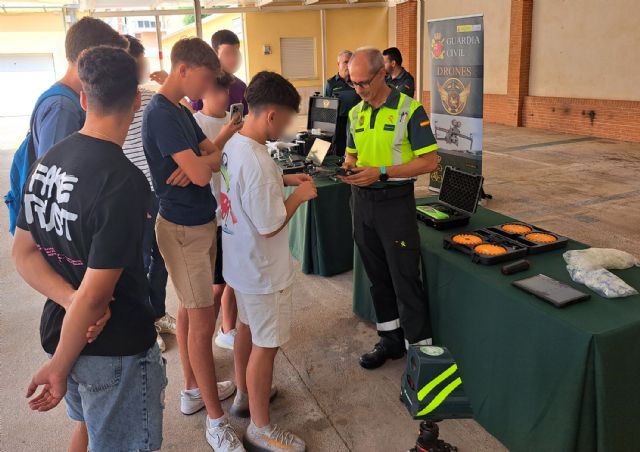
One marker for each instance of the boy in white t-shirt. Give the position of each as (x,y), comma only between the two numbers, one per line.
(257,261)
(215,122)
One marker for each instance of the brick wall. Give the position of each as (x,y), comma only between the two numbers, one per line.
(406,34)
(614,119)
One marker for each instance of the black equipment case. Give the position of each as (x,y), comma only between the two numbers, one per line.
(458,198)
(323,115)
(431,386)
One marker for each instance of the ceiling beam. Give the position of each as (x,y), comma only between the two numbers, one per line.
(238,9)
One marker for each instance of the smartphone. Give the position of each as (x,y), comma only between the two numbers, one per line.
(237,110)
(343,172)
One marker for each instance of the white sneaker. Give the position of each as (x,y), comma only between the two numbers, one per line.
(223,438)
(161,345)
(166,324)
(226,340)
(191,404)
(226,389)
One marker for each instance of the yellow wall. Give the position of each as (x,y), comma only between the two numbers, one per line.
(34,33)
(267,28)
(345,28)
(350,29)
(590,51)
(497,20)
(210,25)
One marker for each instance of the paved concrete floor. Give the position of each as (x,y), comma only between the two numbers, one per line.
(582,187)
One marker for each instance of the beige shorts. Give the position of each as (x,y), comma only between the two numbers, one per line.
(268,316)
(189,252)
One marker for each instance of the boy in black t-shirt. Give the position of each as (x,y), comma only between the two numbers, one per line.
(79,242)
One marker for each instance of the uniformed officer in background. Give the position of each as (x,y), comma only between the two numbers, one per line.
(337,86)
(397,76)
(389,144)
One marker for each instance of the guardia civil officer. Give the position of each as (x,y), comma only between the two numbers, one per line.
(389,144)
(337,86)
(397,76)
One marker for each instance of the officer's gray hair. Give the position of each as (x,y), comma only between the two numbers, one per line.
(373,57)
(348,53)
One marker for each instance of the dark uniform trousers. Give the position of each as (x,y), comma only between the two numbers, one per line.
(386,234)
(340,137)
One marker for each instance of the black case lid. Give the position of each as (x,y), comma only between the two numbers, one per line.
(323,114)
(460,190)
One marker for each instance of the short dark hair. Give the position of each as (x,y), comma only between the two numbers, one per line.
(224,80)
(268,88)
(194,52)
(109,78)
(222,37)
(89,32)
(393,53)
(136,49)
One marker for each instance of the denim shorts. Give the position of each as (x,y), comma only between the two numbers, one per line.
(120,398)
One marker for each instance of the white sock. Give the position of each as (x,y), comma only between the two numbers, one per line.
(212,423)
(195,392)
(261,429)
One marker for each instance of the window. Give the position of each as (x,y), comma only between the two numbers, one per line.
(146,24)
(237,27)
(298,58)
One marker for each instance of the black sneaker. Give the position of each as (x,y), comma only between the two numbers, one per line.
(380,354)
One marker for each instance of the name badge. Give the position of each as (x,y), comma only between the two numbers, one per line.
(390,127)
(360,130)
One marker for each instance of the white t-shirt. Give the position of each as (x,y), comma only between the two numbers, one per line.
(211,127)
(252,204)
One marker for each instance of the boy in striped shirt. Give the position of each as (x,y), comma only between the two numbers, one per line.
(153,262)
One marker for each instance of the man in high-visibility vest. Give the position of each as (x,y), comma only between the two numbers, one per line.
(389,144)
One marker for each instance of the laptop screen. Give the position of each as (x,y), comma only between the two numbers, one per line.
(319,151)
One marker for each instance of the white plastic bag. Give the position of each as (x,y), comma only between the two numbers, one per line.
(593,258)
(602,281)
(589,267)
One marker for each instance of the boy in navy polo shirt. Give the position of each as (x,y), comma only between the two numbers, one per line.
(182,161)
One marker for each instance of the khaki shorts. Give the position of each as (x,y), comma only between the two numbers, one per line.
(189,253)
(268,316)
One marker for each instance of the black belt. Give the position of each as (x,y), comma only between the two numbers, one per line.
(386,192)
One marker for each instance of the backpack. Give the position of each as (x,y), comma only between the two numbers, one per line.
(25,156)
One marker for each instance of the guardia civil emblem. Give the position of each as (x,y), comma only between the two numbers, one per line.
(454,95)
(437,46)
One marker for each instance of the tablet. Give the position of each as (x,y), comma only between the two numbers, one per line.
(550,290)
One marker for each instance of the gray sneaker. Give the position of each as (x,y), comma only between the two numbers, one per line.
(240,406)
(272,439)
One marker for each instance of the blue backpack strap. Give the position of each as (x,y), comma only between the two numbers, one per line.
(25,155)
(57,89)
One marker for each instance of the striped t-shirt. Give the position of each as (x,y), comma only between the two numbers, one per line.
(132,146)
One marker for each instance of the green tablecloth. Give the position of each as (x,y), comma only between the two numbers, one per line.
(320,235)
(539,378)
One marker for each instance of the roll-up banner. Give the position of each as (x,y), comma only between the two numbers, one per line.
(457,71)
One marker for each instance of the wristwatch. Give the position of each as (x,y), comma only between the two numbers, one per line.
(383,174)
